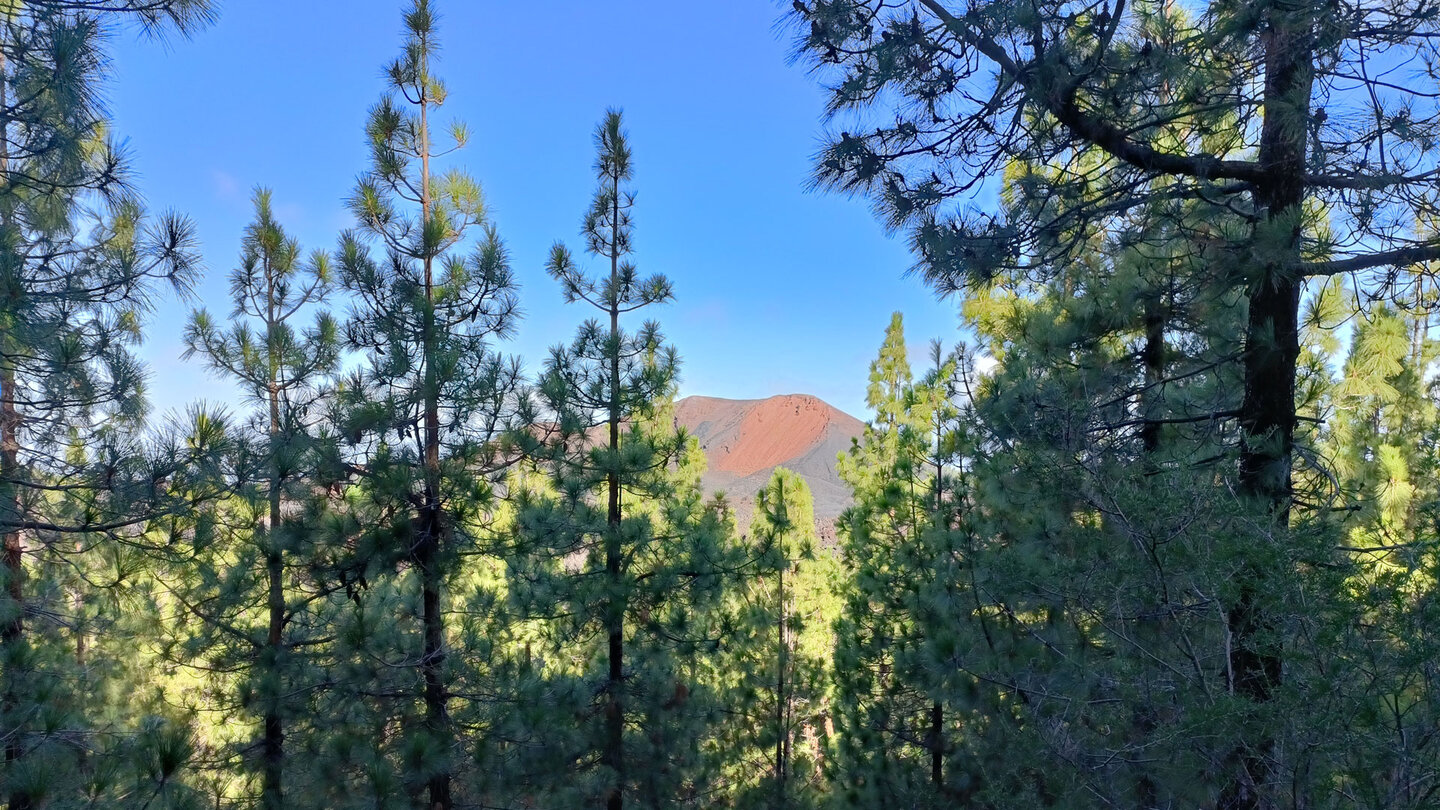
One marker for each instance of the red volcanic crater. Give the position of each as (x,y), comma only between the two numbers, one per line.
(746,439)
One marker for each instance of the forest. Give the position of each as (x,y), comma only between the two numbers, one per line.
(1159,527)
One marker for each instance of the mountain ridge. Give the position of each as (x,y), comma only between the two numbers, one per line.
(746,439)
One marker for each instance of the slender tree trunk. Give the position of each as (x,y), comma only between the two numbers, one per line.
(77,607)
(882,752)
(437,719)
(615,610)
(272,790)
(782,731)
(272,795)
(1272,347)
(937,711)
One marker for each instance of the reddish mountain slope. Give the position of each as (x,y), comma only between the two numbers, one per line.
(746,439)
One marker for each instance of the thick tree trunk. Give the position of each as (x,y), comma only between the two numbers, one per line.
(937,745)
(1272,347)
(1152,361)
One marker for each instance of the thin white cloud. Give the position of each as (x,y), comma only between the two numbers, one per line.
(226,186)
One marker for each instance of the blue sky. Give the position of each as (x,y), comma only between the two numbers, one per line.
(779,290)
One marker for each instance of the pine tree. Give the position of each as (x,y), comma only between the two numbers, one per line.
(607,230)
(874,713)
(1091,531)
(977,88)
(894,537)
(424,415)
(77,258)
(802,610)
(283,369)
(638,571)
(1091,522)
(1377,496)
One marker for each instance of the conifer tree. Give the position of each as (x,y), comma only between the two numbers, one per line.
(894,538)
(283,369)
(1061,85)
(1090,539)
(800,605)
(636,572)
(1099,426)
(424,415)
(1377,495)
(607,230)
(77,262)
(873,625)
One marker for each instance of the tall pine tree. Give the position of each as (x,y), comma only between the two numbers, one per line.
(284,370)
(620,536)
(77,262)
(424,415)
(1096,93)
(891,729)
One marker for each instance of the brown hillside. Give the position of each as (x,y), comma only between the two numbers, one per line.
(746,439)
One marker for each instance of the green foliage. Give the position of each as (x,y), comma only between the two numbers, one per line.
(79,262)
(903,471)
(615,544)
(251,578)
(772,673)
(421,420)
(1176,546)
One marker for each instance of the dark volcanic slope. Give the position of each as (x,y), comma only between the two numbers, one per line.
(746,439)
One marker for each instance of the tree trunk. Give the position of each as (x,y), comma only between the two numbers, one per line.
(437,719)
(937,745)
(782,732)
(1272,347)
(272,795)
(937,711)
(1152,361)
(428,553)
(11,635)
(615,610)
(273,745)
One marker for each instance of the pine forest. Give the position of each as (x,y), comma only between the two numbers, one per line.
(1154,525)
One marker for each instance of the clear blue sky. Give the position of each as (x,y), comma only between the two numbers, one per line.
(779,290)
